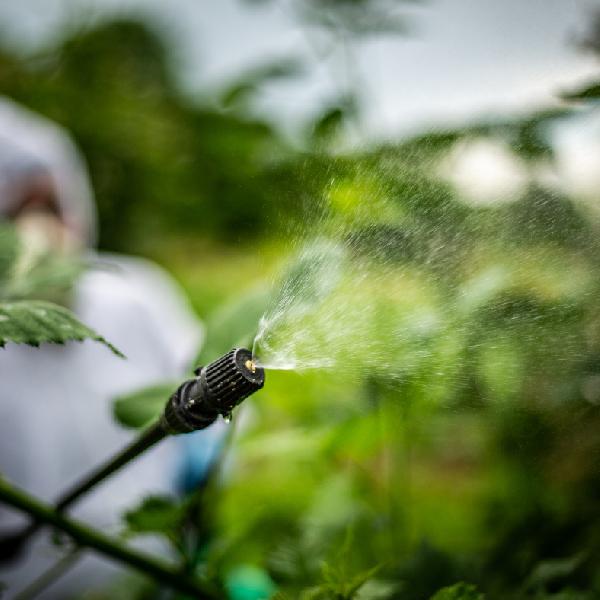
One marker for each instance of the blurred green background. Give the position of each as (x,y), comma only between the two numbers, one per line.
(481,462)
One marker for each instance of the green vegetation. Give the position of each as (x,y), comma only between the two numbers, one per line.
(474,473)
(26,319)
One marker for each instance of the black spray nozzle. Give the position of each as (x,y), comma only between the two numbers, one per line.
(217,390)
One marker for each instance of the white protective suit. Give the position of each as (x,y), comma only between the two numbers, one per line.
(55,411)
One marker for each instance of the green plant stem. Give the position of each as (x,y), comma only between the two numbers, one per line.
(143,442)
(90,538)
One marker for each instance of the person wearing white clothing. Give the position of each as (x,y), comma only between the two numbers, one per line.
(55,412)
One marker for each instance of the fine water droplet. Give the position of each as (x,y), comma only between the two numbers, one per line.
(326,312)
(227,418)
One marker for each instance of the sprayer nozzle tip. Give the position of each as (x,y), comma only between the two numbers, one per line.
(250,365)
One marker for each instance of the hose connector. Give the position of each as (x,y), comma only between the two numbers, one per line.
(217,390)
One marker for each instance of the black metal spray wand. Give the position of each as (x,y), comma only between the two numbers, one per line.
(215,391)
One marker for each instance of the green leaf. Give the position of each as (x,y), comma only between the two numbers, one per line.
(458,591)
(587,92)
(548,571)
(35,322)
(156,514)
(359,580)
(28,276)
(356,18)
(376,589)
(345,587)
(234,324)
(143,406)
(49,278)
(331,121)
(246,86)
(9,250)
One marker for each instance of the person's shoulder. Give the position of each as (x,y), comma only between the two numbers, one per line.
(139,273)
(138,295)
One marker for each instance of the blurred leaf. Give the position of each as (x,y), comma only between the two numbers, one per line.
(432,144)
(587,92)
(375,589)
(233,325)
(49,278)
(548,572)
(355,17)
(329,123)
(458,591)
(46,276)
(351,588)
(9,249)
(156,514)
(332,120)
(35,322)
(194,168)
(529,135)
(484,437)
(240,91)
(142,407)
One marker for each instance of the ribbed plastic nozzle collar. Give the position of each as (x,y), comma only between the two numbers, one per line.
(232,378)
(218,389)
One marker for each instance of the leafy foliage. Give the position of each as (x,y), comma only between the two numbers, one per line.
(587,92)
(239,93)
(37,322)
(127,65)
(550,572)
(9,250)
(458,591)
(160,516)
(477,461)
(156,514)
(143,406)
(355,17)
(24,317)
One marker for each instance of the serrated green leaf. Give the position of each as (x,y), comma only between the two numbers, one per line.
(143,406)
(35,322)
(156,514)
(458,591)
